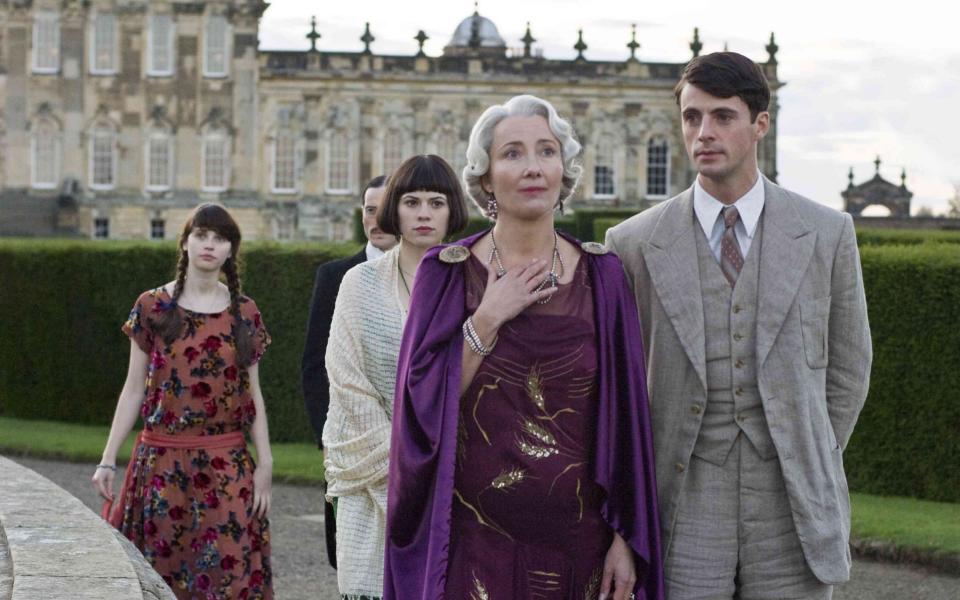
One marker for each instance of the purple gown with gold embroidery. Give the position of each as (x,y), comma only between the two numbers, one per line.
(526,519)
(514,489)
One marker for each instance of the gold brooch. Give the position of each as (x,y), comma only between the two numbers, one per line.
(454,254)
(594,248)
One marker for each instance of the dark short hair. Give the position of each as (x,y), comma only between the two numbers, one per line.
(423,173)
(728,74)
(376,182)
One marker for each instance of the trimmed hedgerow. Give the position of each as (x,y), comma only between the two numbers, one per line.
(907,441)
(586,217)
(600,227)
(64,357)
(867,236)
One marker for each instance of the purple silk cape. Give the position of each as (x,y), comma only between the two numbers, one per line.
(426,409)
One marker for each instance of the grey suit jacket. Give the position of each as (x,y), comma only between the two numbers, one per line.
(813,353)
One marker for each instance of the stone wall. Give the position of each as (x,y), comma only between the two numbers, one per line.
(57,548)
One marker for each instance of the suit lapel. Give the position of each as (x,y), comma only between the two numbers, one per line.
(785,251)
(675,272)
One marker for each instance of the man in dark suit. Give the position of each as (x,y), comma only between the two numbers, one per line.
(313,371)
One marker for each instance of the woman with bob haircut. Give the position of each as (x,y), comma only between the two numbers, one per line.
(193,501)
(522,457)
(422,205)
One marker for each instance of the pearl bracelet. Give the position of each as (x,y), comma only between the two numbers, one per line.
(111,467)
(473,339)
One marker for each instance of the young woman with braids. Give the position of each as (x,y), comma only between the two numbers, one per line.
(193,501)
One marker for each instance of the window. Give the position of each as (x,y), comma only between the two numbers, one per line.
(284,179)
(157,229)
(603,173)
(658,167)
(215,164)
(216,47)
(160,41)
(45,156)
(101,228)
(392,151)
(338,163)
(103,44)
(46,43)
(159,162)
(447,148)
(103,158)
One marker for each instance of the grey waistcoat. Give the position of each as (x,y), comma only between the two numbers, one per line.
(730,323)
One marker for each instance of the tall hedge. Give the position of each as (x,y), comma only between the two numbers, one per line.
(63,357)
(869,236)
(579,225)
(907,441)
(866,236)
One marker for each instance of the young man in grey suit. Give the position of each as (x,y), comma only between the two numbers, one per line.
(758,356)
(313,370)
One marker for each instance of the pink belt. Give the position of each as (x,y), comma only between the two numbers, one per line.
(234,439)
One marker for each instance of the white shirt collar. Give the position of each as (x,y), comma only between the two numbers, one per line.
(373,252)
(750,205)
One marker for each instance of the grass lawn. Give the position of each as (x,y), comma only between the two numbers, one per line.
(904,522)
(292,463)
(907,522)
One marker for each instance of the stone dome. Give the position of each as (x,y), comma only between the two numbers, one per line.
(484,29)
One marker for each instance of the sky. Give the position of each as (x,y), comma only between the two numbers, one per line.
(861,81)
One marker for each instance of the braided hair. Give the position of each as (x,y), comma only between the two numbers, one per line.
(168,326)
(242,335)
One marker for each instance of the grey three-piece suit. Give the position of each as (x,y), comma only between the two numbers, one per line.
(773,371)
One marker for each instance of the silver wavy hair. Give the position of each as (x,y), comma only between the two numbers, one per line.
(478,148)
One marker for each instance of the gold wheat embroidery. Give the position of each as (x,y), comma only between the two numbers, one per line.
(534,451)
(508,478)
(562,473)
(480,517)
(479,591)
(592,591)
(539,432)
(484,389)
(534,389)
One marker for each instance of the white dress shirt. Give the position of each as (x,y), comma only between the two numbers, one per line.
(373,252)
(707,209)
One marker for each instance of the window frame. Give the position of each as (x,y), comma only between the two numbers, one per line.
(227,47)
(99,132)
(152,70)
(274,149)
(39,19)
(106,223)
(163,228)
(665,142)
(224,139)
(93,44)
(148,162)
(604,147)
(348,159)
(44,127)
(401,146)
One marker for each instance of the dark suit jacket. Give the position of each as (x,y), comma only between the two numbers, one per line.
(313,369)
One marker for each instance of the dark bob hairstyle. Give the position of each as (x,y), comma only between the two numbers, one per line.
(423,173)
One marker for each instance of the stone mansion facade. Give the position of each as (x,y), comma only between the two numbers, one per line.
(118,116)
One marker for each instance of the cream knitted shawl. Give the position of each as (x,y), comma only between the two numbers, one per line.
(362,367)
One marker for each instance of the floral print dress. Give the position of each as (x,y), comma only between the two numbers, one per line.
(190,511)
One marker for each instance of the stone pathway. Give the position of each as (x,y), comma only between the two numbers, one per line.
(302,573)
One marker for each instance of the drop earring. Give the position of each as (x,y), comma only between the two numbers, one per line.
(492,206)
